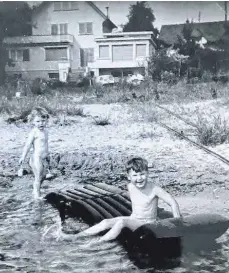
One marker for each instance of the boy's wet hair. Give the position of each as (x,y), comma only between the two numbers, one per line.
(40,112)
(137,164)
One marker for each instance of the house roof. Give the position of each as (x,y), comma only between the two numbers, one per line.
(90,3)
(211,31)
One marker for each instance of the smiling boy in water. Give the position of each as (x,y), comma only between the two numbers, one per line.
(38,140)
(144,197)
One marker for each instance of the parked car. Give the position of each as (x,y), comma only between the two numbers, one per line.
(105,79)
(135,79)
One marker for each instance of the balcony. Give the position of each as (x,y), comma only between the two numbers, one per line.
(109,63)
(39,39)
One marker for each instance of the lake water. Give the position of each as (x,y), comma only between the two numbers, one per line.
(31,241)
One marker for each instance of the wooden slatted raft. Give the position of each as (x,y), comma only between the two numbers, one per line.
(158,244)
(93,203)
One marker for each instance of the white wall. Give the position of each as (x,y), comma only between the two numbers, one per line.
(42,20)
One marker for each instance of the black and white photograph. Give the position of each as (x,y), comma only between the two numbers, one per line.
(114,136)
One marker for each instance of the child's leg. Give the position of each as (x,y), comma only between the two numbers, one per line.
(103,225)
(39,173)
(122,222)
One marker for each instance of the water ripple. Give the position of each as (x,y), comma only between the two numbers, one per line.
(31,242)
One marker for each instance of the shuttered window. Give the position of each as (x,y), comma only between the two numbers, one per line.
(122,52)
(59,29)
(19,55)
(74,5)
(65,5)
(26,56)
(54,29)
(103,51)
(12,54)
(86,56)
(63,28)
(57,6)
(56,54)
(85,28)
(141,50)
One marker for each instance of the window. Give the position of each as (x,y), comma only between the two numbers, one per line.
(127,72)
(19,55)
(103,51)
(56,54)
(59,29)
(141,50)
(26,55)
(65,5)
(85,28)
(63,28)
(86,56)
(53,75)
(13,55)
(57,6)
(74,5)
(54,29)
(116,73)
(122,52)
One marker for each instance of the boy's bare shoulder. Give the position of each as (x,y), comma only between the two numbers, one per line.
(158,189)
(32,132)
(129,186)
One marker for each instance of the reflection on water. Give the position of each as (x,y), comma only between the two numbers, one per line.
(31,241)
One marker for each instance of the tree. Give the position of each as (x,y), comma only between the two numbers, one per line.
(15,20)
(186,43)
(165,60)
(140,18)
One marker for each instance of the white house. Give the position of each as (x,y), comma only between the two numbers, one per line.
(65,38)
(123,53)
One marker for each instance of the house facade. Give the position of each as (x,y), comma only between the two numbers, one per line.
(123,53)
(62,40)
(72,37)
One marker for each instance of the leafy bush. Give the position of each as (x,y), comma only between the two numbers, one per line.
(75,111)
(38,86)
(161,62)
(102,121)
(212,132)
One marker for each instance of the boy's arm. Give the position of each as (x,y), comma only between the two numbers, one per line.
(166,197)
(27,146)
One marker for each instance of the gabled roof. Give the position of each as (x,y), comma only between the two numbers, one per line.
(211,31)
(90,3)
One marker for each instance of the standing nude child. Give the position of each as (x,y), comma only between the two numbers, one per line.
(144,196)
(38,140)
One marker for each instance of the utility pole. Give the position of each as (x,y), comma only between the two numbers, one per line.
(199,16)
(225,7)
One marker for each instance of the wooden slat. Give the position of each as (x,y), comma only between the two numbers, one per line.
(117,205)
(101,210)
(113,211)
